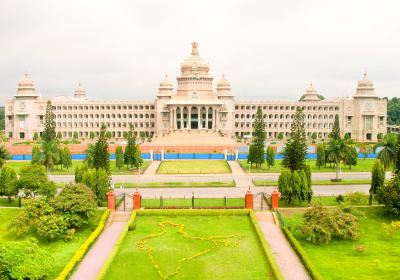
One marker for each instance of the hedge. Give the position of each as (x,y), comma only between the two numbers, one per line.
(267,250)
(80,253)
(308,264)
(194,212)
(115,248)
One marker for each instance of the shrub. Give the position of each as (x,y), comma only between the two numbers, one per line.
(389,195)
(355,198)
(320,225)
(52,226)
(33,180)
(392,228)
(77,203)
(340,199)
(24,260)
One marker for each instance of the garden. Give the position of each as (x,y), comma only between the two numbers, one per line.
(194,167)
(57,253)
(375,253)
(192,244)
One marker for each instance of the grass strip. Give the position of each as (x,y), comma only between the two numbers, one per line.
(266,248)
(216,184)
(116,248)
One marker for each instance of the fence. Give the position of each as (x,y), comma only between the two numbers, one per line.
(193,202)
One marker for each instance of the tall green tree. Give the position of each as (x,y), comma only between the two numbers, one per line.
(36,155)
(256,154)
(377,180)
(387,153)
(119,157)
(270,157)
(49,132)
(351,156)
(33,180)
(296,146)
(338,150)
(320,155)
(4,156)
(396,169)
(50,155)
(101,156)
(67,160)
(8,182)
(89,155)
(335,134)
(130,149)
(98,181)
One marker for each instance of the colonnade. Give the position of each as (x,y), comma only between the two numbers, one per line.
(193,117)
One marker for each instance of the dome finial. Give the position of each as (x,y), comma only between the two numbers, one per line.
(195,51)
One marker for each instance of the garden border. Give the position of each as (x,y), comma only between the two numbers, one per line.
(308,264)
(82,250)
(195,212)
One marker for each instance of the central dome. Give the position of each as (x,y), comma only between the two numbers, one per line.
(194,64)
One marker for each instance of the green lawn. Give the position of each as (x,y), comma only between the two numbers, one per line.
(262,183)
(4,202)
(177,184)
(363,165)
(198,202)
(339,260)
(60,250)
(245,261)
(325,201)
(71,171)
(193,167)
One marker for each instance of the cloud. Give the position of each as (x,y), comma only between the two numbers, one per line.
(267,49)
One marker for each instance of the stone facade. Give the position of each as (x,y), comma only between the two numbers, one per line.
(195,105)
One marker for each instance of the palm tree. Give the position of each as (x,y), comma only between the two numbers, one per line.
(4,156)
(50,154)
(338,149)
(387,154)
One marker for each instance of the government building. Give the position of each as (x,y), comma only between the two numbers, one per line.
(195,106)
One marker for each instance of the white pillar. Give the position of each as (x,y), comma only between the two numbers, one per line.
(162,154)
(225,154)
(236,154)
(151,155)
(189,121)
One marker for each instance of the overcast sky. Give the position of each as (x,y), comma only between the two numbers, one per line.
(267,49)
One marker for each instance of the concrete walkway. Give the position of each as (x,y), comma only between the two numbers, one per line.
(151,170)
(288,262)
(93,261)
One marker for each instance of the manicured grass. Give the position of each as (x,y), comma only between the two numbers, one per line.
(324,201)
(198,202)
(193,167)
(339,259)
(60,250)
(363,165)
(262,183)
(245,261)
(71,171)
(4,202)
(177,184)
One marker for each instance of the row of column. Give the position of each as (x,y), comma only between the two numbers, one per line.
(174,117)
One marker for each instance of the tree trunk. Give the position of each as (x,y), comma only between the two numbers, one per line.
(337,171)
(370,199)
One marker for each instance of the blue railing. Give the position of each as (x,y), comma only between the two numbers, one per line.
(175,156)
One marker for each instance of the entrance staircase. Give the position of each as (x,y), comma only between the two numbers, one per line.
(194,137)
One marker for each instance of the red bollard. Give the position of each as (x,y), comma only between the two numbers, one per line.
(136,200)
(111,201)
(248,200)
(275,199)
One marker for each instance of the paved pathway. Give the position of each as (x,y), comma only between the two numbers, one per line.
(98,253)
(288,262)
(152,168)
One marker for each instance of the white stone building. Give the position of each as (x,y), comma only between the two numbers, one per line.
(194,105)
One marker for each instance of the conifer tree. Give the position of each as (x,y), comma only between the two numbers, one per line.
(119,157)
(256,153)
(396,163)
(335,134)
(270,157)
(130,149)
(296,146)
(67,159)
(101,156)
(320,155)
(36,155)
(49,132)
(377,180)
